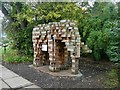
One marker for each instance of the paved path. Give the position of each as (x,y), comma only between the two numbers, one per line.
(9,79)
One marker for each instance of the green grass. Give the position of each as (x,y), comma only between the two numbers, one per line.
(111,79)
(11,56)
(1,50)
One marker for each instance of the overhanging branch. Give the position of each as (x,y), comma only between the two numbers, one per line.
(4,10)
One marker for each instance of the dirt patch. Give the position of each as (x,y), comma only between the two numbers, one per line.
(94,75)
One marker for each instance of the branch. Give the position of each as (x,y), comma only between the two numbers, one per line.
(23,24)
(4,10)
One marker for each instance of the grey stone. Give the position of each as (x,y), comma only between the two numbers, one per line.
(32,86)
(17,82)
(3,85)
(6,74)
(1,66)
(0,73)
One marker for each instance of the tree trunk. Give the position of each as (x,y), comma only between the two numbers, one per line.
(18,7)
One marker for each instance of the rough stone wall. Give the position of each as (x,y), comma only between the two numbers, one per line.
(54,34)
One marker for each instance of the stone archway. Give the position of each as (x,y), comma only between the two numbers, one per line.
(61,41)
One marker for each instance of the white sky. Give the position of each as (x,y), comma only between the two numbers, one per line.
(1,15)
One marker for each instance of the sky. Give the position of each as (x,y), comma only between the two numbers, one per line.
(1,16)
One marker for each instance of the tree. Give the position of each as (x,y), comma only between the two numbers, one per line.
(95,23)
(113,49)
(23,17)
(97,28)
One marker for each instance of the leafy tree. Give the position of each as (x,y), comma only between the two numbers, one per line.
(23,17)
(113,49)
(95,24)
(97,28)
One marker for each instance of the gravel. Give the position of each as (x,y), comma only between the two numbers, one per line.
(93,75)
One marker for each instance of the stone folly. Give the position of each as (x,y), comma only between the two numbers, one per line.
(58,45)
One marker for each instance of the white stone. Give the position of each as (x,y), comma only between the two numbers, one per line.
(72,24)
(64,30)
(43,32)
(41,28)
(72,40)
(17,82)
(6,74)
(82,43)
(66,43)
(63,21)
(70,28)
(73,61)
(44,47)
(67,25)
(50,54)
(3,85)
(39,25)
(1,66)
(73,65)
(35,29)
(73,70)
(63,35)
(33,86)
(50,59)
(75,28)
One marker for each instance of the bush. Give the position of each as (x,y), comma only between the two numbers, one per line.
(98,41)
(96,29)
(11,56)
(113,50)
(21,40)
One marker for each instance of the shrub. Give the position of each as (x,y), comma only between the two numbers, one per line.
(11,56)
(98,41)
(113,50)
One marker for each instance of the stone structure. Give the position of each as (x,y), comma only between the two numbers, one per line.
(58,45)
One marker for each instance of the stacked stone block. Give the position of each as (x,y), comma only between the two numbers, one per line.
(60,37)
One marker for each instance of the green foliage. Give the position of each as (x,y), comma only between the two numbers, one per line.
(22,41)
(1,50)
(28,17)
(113,49)
(97,29)
(11,56)
(98,41)
(94,24)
